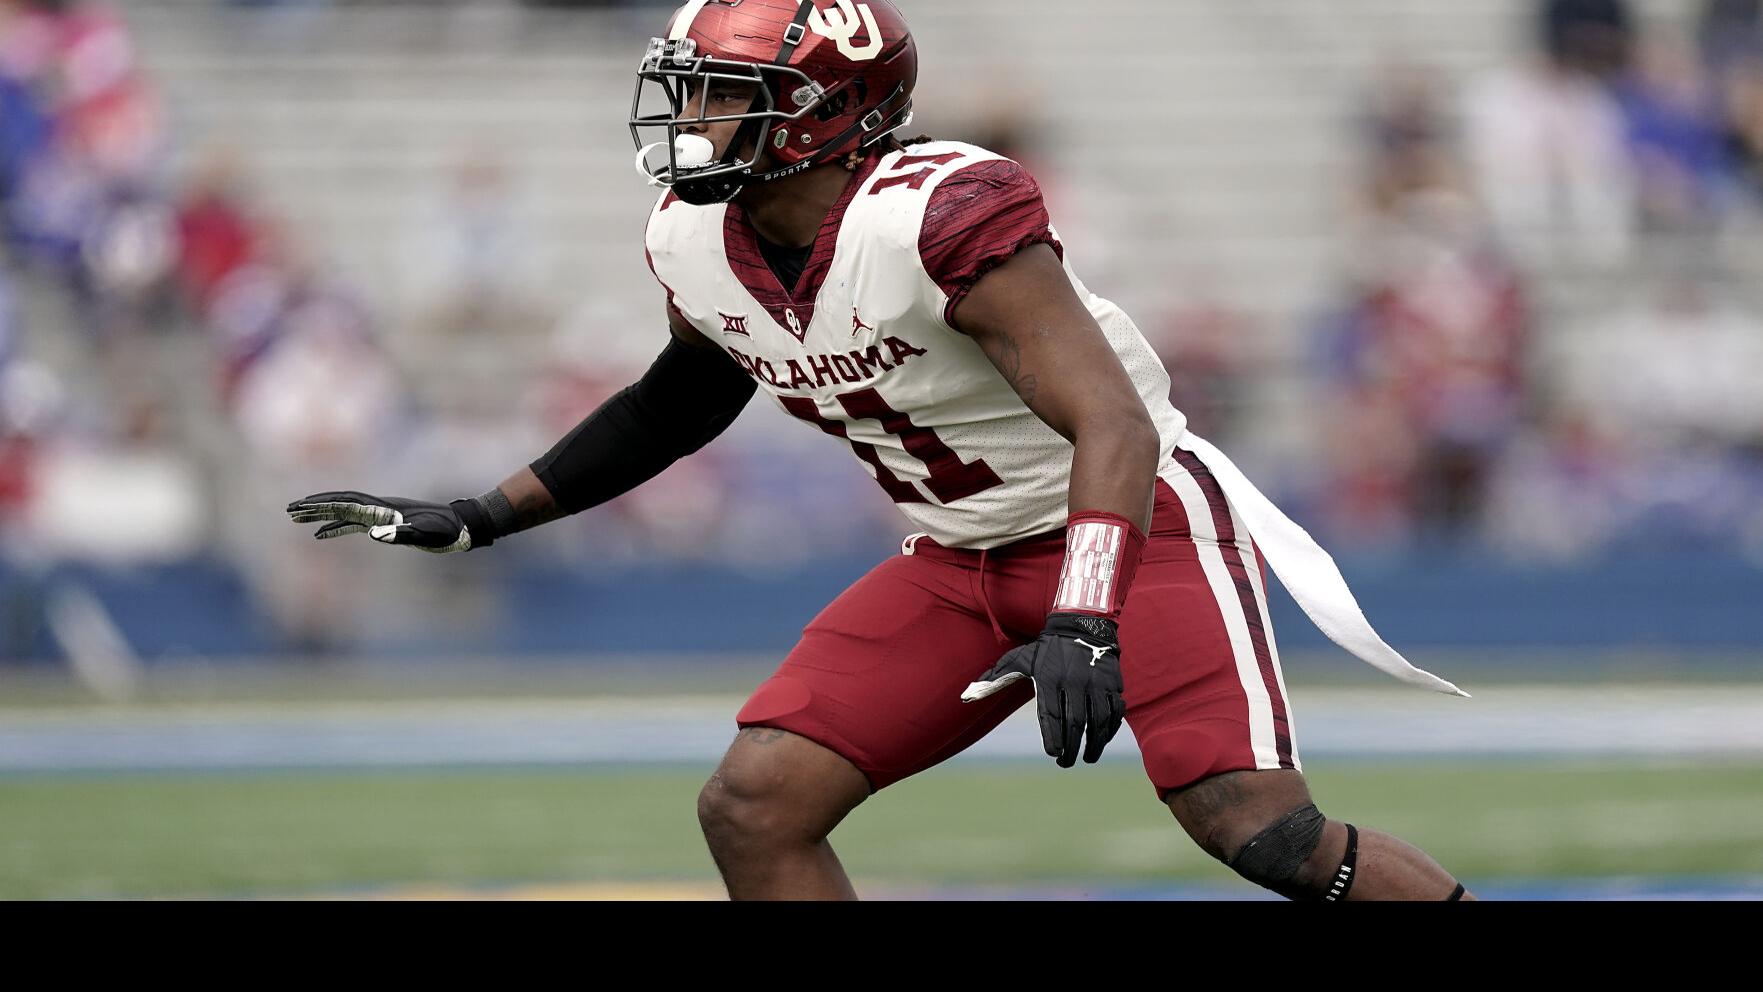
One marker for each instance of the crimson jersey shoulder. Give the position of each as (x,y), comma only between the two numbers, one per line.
(977,219)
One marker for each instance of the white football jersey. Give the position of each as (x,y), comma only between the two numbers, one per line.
(866,354)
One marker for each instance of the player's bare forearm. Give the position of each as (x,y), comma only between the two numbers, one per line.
(1028,319)
(533,504)
(1115,471)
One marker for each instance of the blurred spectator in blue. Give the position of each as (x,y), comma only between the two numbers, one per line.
(1672,114)
(59,198)
(88,140)
(25,123)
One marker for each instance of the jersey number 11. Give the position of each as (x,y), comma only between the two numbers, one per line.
(950,478)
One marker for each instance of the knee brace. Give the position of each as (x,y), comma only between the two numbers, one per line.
(1272,857)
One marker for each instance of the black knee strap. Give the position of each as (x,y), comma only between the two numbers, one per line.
(1343,876)
(1274,855)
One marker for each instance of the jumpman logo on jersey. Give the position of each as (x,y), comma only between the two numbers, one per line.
(857,324)
(1096,653)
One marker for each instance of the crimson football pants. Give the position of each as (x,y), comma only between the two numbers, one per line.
(878,675)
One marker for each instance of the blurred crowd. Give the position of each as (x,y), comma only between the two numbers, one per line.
(81,145)
(1544,340)
(1548,339)
(200,362)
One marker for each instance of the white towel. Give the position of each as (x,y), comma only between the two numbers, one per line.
(1308,572)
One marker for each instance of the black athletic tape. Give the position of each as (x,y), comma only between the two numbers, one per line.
(1272,857)
(1456,894)
(1343,876)
(499,511)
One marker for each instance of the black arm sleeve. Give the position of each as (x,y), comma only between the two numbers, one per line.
(686,399)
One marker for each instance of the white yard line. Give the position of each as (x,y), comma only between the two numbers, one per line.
(1528,721)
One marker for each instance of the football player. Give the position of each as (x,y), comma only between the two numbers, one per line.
(1077,546)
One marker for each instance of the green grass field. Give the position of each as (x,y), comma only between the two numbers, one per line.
(1004,824)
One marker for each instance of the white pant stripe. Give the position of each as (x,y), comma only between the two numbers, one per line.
(1224,590)
(1252,564)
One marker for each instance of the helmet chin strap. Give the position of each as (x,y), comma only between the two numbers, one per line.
(709,192)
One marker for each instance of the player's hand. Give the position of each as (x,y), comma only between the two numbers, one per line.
(1075,665)
(432,527)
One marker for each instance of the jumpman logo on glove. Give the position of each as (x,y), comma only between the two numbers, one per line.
(1096,653)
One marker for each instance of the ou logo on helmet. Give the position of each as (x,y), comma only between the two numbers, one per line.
(839,24)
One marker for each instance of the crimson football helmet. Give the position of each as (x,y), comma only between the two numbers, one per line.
(833,76)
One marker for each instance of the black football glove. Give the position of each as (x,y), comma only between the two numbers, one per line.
(433,527)
(1075,665)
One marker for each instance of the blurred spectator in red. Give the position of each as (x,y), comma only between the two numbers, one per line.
(1438,339)
(14,448)
(248,304)
(1427,359)
(80,59)
(1210,350)
(32,401)
(216,232)
(111,112)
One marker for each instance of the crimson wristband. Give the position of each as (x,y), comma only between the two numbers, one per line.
(1102,552)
